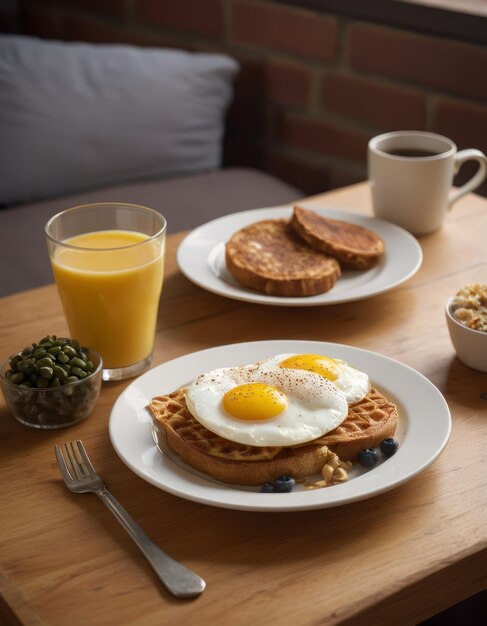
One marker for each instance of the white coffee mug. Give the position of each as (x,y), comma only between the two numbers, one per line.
(411,176)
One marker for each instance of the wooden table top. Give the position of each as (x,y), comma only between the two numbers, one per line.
(400,556)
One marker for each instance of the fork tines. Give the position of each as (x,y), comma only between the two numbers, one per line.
(79,465)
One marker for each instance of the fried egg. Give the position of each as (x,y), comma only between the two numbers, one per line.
(351,382)
(270,406)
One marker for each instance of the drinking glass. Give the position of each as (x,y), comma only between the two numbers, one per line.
(108,263)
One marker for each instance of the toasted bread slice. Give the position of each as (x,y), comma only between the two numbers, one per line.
(270,257)
(368,422)
(352,245)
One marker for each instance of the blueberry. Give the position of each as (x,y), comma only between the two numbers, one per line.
(267,488)
(284,484)
(389,446)
(368,457)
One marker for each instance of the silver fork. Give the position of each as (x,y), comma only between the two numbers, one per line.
(80,477)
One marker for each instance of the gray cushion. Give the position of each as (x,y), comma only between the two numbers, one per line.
(75,116)
(186,202)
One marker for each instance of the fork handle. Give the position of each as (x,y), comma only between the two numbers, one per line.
(179,580)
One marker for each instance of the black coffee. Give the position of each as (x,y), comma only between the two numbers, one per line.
(413,153)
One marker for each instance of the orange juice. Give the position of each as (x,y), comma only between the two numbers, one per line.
(110,283)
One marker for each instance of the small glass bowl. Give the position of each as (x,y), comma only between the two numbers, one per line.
(53,407)
(470,345)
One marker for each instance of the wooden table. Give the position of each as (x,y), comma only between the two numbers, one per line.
(395,558)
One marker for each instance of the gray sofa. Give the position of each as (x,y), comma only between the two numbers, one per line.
(83,123)
(185,201)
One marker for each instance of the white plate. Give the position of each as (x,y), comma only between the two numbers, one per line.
(201,258)
(423,428)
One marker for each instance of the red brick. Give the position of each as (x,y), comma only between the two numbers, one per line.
(288,83)
(196,16)
(323,138)
(308,177)
(87,29)
(440,63)
(282,28)
(387,107)
(47,24)
(464,123)
(265,82)
(51,24)
(115,8)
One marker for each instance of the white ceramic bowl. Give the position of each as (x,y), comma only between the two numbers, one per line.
(470,345)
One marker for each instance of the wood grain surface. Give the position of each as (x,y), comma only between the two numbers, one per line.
(395,558)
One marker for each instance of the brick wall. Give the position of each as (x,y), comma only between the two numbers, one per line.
(313,87)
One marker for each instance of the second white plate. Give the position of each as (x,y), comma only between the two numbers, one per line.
(201,258)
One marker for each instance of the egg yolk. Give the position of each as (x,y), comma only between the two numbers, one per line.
(254,401)
(323,365)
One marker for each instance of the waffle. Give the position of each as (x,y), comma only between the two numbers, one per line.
(352,245)
(173,413)
(368,422)
(270,257)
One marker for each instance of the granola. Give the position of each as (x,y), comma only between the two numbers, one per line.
(469,306)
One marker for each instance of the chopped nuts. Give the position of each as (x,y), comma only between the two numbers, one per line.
(316,485)
(340,476)
(327,473)
(334,471)
(334,462)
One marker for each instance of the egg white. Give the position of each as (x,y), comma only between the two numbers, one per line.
(351,382)
(315,406)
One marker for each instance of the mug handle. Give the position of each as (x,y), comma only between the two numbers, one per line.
(476,180)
